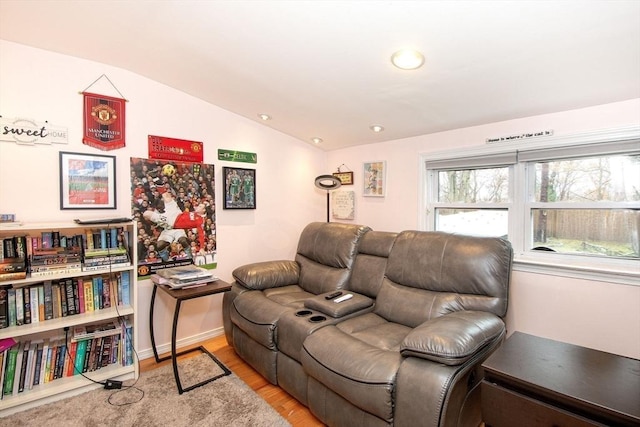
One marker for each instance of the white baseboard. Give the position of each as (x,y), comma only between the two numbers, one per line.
(183,342)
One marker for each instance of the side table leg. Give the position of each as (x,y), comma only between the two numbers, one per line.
(153,340)
(174,357)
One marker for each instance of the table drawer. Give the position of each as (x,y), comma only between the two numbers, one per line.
(505,408)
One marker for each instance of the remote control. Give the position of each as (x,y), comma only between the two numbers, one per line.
(343,298)
(333,295)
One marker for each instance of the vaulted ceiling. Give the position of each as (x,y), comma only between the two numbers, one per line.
(322,68)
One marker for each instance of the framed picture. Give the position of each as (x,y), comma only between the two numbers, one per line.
(374,179)
(346,178)
(239,188)
(87,181)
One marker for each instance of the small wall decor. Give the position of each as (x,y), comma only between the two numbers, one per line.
(163,148)
(87,181)
(31,132)
(239,188)
(103,119)
(346,178)
(374,179)
(343,204)
(237,156)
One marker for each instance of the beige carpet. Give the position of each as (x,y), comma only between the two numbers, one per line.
(225,402)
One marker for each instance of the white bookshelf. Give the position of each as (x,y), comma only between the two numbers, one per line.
(45,329)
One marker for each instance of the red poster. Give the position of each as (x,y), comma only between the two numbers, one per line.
(104,122)
(163,148)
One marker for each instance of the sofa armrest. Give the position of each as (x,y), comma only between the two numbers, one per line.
(341,309)
(269,274)
(454,338)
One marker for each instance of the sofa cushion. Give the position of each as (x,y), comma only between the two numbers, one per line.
(359,372)
(371,262)
(453,339)
(325,254)
(411,306)
(332,244)
(477,268)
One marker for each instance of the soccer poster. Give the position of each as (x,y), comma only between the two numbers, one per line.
(173,204)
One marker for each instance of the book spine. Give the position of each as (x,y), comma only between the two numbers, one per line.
(103,238)
(41,314)
(34,304)
(4,307)
(23,367)
(81,353)
(11,298)
(10,370)
(106,292)
(45,355)
(48,300)
(38,364)
(88,295)
(27,305)
(87,356)
(79,283)
(19,307)
(57,271)
(126,291)
(69,363)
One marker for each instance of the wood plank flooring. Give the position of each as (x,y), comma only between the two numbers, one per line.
(288,407)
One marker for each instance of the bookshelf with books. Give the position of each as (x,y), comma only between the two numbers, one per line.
(68,312)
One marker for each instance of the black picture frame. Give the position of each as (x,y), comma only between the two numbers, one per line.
(87,181)
(239,188)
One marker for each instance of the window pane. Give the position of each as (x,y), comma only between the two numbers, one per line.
(594,179)
(474,222)
(611,233)
(474,185)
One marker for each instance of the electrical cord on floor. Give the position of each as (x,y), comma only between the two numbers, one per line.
(108,384)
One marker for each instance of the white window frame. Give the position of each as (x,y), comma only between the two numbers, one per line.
(517,155)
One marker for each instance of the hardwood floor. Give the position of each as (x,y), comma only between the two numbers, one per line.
(288,407)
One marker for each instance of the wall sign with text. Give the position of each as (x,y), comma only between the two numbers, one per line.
(31,132)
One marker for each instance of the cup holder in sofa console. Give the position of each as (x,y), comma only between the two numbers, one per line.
(303,313)
(317,319)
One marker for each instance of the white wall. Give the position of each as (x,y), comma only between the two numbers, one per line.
(42,85)
(605,316)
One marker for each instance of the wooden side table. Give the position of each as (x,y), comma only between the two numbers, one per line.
(532,381)
(182,295)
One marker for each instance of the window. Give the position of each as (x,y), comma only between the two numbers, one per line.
(586,205)
(572,202)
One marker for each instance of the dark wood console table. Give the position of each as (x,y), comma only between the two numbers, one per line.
(182,295)
(532,381)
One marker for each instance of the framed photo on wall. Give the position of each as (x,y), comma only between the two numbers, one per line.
(87,181)
(374,179)
(239,188)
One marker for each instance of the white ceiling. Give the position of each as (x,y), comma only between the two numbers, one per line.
(322,68)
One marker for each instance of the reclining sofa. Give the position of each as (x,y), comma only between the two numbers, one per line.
(426,309)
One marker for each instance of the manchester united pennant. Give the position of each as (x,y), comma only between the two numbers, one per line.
(104,121)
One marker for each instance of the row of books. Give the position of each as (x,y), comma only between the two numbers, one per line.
(28,364)
(64,297)
(50,253)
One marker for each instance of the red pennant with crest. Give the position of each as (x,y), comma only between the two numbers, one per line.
(104,121)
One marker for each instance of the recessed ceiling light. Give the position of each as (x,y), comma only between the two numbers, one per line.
(264,117)
(376,128)
(407,59)
(316,140)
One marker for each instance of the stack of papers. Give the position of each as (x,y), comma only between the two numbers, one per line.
(183,276)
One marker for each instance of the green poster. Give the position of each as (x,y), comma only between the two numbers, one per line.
(237,156)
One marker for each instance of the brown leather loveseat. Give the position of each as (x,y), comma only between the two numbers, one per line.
(426,310)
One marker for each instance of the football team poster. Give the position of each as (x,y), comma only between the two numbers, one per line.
(174,205)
